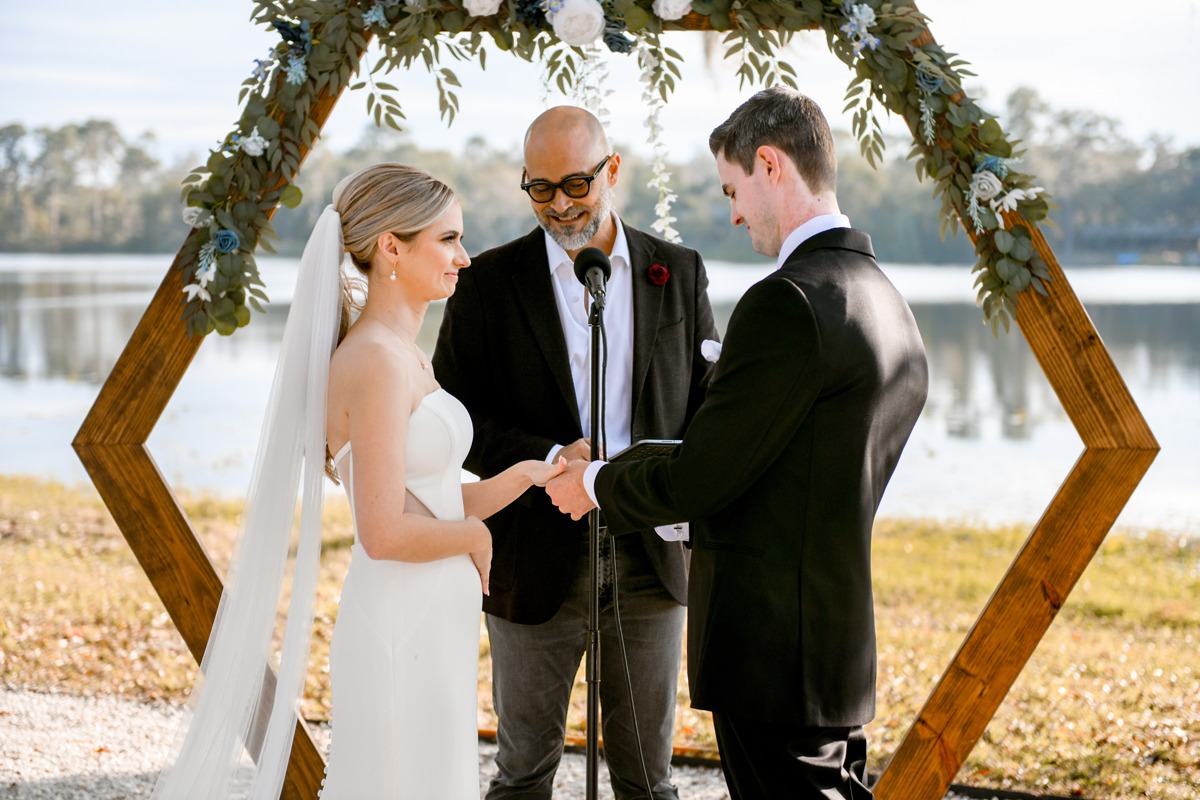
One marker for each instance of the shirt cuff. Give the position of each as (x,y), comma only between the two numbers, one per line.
(589,479)
(554,451)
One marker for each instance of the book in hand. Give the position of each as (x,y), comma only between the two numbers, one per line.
(645,448)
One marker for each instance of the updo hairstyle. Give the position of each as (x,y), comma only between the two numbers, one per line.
(384,198)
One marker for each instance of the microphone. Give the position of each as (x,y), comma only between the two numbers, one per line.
(592,268)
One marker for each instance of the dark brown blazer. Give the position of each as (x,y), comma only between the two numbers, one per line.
(821,380)
(502,352)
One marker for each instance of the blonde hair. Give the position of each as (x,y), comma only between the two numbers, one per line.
(384,198)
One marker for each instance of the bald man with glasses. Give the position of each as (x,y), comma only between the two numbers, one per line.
(515,348)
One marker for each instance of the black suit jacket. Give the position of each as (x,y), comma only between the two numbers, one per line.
(502,352)
(821,380)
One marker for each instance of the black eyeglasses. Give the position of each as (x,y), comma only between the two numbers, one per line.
(576,187)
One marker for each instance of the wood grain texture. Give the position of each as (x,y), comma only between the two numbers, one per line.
(1118,449)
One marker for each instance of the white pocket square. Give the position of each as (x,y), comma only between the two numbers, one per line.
(710,349)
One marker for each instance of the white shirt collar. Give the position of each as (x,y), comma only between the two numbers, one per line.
(557,256)
(818,224)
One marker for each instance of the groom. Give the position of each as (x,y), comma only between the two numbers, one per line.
(821,380)
(514,347)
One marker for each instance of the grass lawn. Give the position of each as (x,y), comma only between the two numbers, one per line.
(1109,705)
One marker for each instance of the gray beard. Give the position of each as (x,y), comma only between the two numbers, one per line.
(578,241)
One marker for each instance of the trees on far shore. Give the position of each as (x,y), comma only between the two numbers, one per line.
(86,187)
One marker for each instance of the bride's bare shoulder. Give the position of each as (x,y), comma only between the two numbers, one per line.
(370,357)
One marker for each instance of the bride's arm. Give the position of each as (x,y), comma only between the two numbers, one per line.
(381,392)
(484,498)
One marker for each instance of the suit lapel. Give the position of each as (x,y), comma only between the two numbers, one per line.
(535,294)
(647,306)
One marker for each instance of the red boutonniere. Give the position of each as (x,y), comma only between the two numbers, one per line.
(658,274)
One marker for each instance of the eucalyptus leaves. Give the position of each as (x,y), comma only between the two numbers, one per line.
(896,66)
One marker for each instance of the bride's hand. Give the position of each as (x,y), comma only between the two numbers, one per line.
(540,473)
(482,557)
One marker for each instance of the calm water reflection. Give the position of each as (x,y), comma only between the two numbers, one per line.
(992,445)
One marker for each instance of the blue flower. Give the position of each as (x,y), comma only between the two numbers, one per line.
(994,164)
(298,37)
(530,14)
(375,16)
(927,80)
(261,67)
(297,70)
(226,240)
(614,35)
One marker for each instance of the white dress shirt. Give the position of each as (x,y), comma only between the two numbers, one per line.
(818,224)
(570,297)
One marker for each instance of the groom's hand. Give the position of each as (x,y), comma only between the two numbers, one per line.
(566,491)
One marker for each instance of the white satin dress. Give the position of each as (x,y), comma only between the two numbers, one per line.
(404,659)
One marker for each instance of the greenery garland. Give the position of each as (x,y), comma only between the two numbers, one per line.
(896,66)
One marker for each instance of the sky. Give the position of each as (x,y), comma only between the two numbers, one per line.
(174,67)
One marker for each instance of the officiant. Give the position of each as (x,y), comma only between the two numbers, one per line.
(514,348)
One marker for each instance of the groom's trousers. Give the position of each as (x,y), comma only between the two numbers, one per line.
(534,669)
(762,761)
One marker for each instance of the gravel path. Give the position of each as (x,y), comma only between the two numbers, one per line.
(62,747)
(107,748)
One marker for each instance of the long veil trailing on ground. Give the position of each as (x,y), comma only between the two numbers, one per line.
(238,707)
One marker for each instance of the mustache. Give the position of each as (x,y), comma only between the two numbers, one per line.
(560,215)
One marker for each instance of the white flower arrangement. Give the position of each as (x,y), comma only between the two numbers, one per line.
(578,22)
(652,70)
(197,217)
(254,144)
(672,9)
(1009,201)
(985,185)
(482,8)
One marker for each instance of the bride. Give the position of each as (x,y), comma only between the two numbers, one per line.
(405,648)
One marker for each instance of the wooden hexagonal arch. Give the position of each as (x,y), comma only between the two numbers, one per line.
(1118,448)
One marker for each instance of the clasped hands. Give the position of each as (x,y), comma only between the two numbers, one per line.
(566,489)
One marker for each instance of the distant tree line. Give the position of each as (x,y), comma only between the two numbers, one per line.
(87,188)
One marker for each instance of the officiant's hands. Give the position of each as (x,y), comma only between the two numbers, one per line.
(567,492)
(580,448)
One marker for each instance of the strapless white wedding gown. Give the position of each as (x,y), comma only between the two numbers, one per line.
(404,659)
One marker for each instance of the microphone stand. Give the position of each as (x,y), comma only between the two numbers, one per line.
(596,323)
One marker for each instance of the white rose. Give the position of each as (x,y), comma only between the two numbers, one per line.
(197,217)
(672,9)
(985,185)
(579,22)
(482,8)
(254,144)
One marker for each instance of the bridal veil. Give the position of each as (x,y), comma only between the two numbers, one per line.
(238,707)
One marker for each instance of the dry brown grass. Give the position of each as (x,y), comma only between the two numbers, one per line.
(1109,705)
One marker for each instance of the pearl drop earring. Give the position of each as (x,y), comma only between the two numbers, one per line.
(392,277)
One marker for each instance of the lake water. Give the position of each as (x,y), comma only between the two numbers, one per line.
(992,445)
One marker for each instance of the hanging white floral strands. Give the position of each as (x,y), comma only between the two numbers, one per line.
(591,89)
(652,73)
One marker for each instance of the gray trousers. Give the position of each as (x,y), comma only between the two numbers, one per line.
(534,668)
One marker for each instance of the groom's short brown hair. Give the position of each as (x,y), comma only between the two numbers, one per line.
(785,119)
